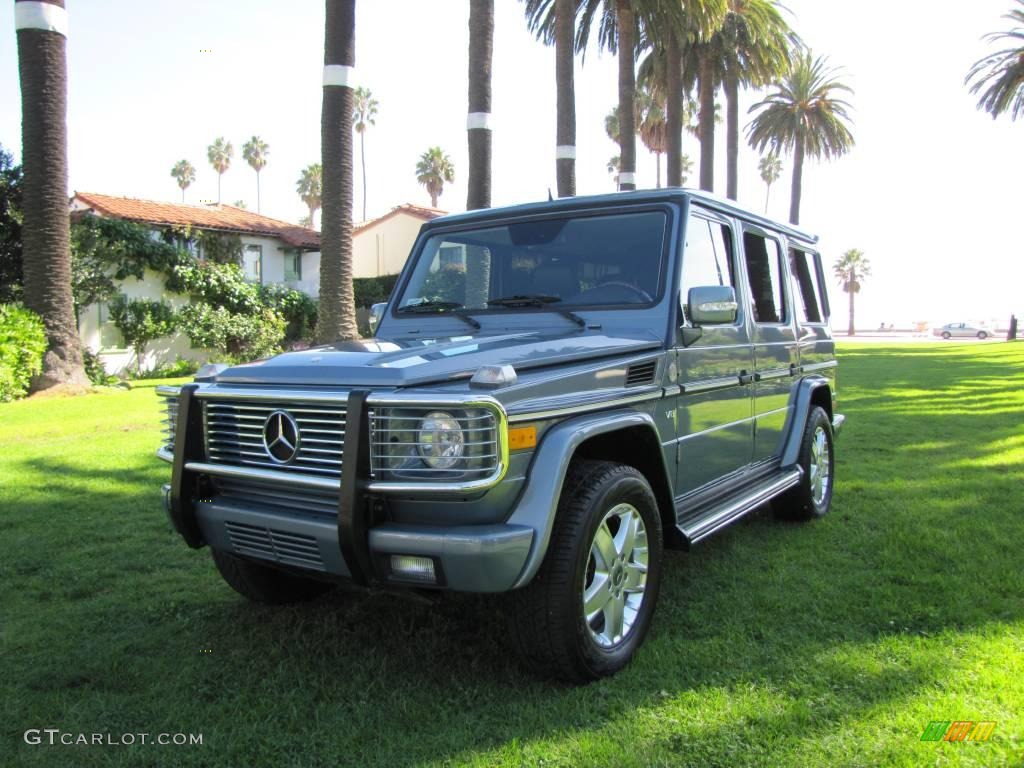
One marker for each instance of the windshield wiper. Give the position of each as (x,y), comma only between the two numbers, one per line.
(537,300)
(440,308)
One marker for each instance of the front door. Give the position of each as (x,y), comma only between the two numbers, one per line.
(714,426)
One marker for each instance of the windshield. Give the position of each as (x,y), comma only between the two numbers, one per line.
(580,262)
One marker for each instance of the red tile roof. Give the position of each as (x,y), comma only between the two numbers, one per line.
(226,218)
(417,211)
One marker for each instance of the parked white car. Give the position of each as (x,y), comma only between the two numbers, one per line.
(949,330)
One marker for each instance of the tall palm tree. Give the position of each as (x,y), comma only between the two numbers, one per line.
(364,115)
(433,170)
(310,188)
(999,77)
(478,128)
(804,116)
(336,315)
(770,167)
(560,32)
(42,68)
(850,269)
(184,173)
(651,121)
(255,152)
(219,154)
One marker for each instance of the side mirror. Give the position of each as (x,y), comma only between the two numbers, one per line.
(712,305)
(376,313)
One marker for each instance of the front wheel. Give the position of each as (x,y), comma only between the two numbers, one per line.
(590,605)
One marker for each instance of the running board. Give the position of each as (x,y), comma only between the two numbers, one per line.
(734,507)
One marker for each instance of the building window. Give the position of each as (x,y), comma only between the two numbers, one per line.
(293,265)
(110,335)
(252,263)
(451,256)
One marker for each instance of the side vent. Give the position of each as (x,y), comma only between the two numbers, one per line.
(641,373)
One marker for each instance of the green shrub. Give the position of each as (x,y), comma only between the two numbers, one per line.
(22,346)
(94,368)
(239,336)
(373,290)
(141,321)
(177,369)
(221,285)
(298,310)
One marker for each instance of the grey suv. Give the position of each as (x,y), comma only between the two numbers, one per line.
(555,393)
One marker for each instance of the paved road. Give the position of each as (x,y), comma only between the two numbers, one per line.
(895,337)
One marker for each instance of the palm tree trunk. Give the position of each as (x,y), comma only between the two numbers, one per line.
(767,191)
(565,139)
(850,330)
(312,211)
(337,315)
(657,169)
(433,199)
(362,156)
(674,114)
(624,19)
(42,66)
(257,191)
(481,43)
(794,195)
(706,127)
(732,136)
(219,176)
(183,194)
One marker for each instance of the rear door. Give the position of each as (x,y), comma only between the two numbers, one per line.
(811,312)
(776,358)
(713,415)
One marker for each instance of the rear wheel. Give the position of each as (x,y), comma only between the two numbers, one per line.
(812,497)
(590,605)
(982,335)
(946,335)
(263,584)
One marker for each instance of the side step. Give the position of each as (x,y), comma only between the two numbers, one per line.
(734,507)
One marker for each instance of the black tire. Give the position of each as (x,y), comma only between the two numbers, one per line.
(547,616)
(946,335)
(982,335)
(803,502)
(263,584)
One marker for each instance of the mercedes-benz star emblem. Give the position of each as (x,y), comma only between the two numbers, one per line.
(281,437)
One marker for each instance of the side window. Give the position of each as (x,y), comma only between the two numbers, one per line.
(808,298)
(707,256)
(764,271)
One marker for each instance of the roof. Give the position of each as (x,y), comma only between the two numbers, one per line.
(416,211)
(225,218)
(677,194)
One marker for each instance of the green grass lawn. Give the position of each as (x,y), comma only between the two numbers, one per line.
(831,643)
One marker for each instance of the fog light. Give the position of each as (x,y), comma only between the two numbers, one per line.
(413,568)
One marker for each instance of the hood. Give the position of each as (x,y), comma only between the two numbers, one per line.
(405,362)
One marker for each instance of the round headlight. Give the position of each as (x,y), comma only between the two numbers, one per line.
(441,441)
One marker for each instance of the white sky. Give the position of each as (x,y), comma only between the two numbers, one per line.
(929,193)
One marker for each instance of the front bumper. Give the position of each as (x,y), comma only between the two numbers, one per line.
(837,424)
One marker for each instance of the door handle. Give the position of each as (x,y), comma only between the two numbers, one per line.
(746,378)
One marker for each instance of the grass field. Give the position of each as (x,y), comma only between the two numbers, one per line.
(833,643)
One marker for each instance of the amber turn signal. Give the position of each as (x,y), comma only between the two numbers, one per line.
(520,438)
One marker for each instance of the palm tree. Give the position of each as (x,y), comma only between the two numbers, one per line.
(560,32)
(651,121)
(310,188)
(850,270)
(364,115)
(803,115)
(999,77)
(219,154)
(42,68)
(255,152)
(336,315)
(770,167)
(184,173)
(433,170)
(478,129)
(614,163)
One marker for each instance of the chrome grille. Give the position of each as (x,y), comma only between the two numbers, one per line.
(394,440)
(170,419)
(234,435)
(271,544)
(291,498)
